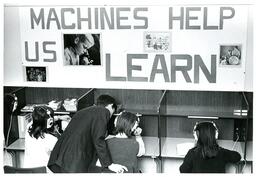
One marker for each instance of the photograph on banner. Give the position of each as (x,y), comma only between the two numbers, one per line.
(35,73)
(157,41)
(81,49)
(230,55)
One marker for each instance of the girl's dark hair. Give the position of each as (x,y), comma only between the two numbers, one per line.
(40,116)
(206,144)
(104,100)
(125,122)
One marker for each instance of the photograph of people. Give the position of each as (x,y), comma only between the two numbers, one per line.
(82,49)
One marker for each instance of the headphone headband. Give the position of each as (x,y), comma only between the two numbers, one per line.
(214,125)
(15,97)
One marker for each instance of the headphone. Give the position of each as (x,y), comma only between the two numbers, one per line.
(195,134)
(14,101)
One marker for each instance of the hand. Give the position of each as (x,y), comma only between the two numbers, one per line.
(56,131)
(87,61)
(65,118)
(137,131)
(117,168)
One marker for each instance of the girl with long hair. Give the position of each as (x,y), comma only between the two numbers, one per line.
(41,136)
(207,156)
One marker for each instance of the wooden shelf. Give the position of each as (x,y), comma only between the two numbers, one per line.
(58,111)
(143,112)
(189,111)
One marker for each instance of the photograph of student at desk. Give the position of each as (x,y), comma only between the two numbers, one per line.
(181,131)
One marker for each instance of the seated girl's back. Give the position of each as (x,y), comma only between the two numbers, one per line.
(124,151)
(125,148)
(207,156)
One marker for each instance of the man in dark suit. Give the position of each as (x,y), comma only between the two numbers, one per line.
(83,141)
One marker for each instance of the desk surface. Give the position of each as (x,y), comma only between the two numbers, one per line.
(29,109)
(151,145)
(170,147)
(18,145)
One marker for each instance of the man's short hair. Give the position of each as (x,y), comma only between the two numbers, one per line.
(104,100)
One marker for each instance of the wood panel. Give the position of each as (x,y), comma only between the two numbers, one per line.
(145,101)
(86,100)
(39,95)
(178,127)
(221,104)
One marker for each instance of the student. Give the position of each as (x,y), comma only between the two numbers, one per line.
(83,140)
(76,45)
(207,156)
(124,148)
(41,136)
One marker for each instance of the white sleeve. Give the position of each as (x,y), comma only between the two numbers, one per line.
(51,141)
(141,146)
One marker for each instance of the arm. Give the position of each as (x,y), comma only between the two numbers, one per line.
(51,141)
(65,119)
(62,118)
(67,57)
(186,166)
(98,131)
(139,139)
(231,156)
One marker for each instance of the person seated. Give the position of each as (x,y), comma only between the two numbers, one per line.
(123,146)
(207,156)
(41,135)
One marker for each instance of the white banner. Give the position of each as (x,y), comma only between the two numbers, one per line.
(156,47)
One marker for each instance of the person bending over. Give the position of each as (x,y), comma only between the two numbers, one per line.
(83,140)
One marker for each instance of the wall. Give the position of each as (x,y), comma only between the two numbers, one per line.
(66,77)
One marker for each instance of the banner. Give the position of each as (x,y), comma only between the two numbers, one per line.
(177,47)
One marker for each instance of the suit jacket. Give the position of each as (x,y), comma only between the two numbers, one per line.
(82,140)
